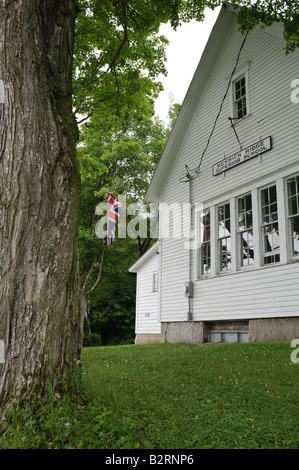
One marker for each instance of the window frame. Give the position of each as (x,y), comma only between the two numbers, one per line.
(290,244)
(219,239)
(239,99)
(247,229)
(201,274)
(262,225)
(155,280)
(242,71)
(277,216)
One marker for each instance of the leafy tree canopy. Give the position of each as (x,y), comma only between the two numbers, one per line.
(118,46)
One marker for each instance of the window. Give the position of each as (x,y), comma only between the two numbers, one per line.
(224,237)
(240,99)
(293,213)
(229,337)
(270,231)
(227,331)
(205,243)
(155,282)
(245,230)
(256,229)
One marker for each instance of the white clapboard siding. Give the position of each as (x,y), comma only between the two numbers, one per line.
(174,263)
(260,293)
(273,114)
(264,292)
(147,307)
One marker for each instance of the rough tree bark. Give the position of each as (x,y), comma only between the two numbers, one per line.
(39,197)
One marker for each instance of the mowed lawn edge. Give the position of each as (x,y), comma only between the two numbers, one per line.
(174,396)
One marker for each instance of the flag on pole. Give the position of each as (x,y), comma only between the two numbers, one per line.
(114,210)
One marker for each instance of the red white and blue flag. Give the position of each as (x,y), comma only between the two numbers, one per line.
(114,210)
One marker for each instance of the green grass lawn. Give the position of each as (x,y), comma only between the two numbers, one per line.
(169,396)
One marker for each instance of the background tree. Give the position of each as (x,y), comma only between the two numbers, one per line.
(125,160)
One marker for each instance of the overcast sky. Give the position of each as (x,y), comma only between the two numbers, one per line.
(183,55)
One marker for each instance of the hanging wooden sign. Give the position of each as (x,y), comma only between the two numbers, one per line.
(246,154)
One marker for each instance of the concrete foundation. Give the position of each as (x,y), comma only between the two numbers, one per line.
(182,332)
(273,329)
(147,338)
(260,330)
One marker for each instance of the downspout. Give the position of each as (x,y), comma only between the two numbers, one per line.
(190,316)
(190,287)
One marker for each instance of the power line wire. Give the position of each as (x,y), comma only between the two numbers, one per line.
(188,176)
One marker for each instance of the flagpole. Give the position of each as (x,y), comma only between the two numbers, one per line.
(154,234)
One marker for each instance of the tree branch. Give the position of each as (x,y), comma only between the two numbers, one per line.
(99,273)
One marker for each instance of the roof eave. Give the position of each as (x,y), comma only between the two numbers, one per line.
(148,254)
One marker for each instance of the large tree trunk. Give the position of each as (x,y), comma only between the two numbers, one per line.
(39,197)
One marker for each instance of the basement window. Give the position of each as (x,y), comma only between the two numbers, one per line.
(228,337)
(227,332)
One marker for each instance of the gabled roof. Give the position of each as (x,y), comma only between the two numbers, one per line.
(147,255)
(222,28)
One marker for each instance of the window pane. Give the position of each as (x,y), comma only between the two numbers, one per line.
(274,213)
(240,98)
(230,337)
(205,235)
(291,186)
(270,225)
(293,195)
(242,221)
(205,227)
(244,337)
(266,215)
(271,237)
(215,337)
(227,211)
(220,213)
(224,243)
(248,202)
(295,235)
(225,254)
(241,205)
(247,248)
(224,221)
(155,282)
(249,221)
(245,230)
(272,193)
(205,259)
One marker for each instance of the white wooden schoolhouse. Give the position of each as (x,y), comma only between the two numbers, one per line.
(234,276)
